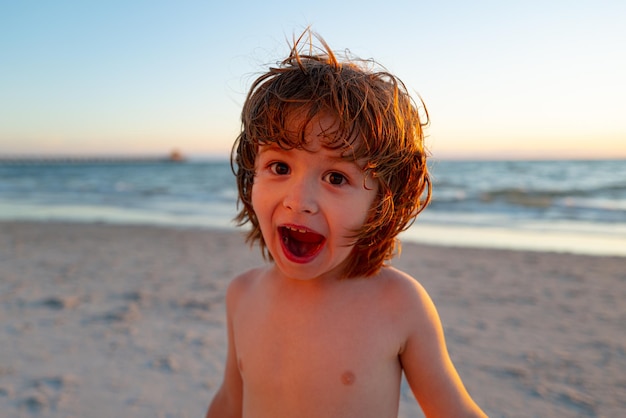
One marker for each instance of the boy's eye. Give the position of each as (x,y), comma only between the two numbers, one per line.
(335,179)
(279,168)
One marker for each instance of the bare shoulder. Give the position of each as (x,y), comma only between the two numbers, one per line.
(409,303)
(424,356)
(242,284)
(245,279)
(404,289)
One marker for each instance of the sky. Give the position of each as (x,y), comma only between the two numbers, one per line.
(500,79)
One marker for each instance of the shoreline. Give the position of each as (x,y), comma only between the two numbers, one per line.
(118,320)
(586,243)
(518,239)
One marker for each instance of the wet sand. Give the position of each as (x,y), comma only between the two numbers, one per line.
(102,321)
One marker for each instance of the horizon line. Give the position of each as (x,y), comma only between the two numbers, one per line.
(176,155)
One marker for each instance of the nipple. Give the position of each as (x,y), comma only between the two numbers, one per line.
(348,378)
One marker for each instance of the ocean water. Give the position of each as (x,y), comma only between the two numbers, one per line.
(573,206)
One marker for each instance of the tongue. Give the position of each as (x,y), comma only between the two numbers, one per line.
(302,244)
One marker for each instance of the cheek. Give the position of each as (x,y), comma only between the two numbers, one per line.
(255,199)
(260,199)
(354,219)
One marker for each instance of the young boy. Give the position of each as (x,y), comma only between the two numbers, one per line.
(331,166)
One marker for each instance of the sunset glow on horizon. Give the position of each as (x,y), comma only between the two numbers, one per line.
(500,80)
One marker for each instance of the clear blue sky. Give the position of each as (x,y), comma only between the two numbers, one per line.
(500,79)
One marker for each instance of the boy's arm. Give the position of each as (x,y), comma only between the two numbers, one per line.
(427,365)
(227,402)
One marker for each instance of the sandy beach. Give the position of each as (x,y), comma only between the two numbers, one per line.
(128,321)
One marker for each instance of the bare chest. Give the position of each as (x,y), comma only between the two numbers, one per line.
(318,352)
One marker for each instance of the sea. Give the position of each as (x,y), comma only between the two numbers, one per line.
(563,206)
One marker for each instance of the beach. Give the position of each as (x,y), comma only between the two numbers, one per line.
(103,320)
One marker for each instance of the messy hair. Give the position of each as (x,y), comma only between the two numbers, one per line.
(369,104)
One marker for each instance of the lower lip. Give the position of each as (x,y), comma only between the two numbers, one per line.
(300,260)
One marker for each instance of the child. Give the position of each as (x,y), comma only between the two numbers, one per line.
(331,166)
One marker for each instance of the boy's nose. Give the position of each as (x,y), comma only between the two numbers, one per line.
(301,198)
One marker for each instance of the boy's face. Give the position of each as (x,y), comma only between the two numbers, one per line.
(309,202)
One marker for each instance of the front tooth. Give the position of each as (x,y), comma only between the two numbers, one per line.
(302,231)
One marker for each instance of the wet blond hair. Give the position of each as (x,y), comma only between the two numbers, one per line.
(377,122)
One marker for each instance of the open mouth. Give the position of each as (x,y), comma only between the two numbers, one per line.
(299,243)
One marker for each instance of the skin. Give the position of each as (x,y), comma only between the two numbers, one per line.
(303,342)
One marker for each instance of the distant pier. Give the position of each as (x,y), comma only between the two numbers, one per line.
(173,157)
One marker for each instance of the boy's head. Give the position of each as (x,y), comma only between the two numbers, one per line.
(377,122)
